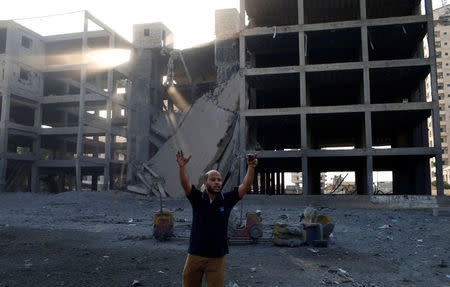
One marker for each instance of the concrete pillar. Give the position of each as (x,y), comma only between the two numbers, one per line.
(305,176)
(263,183)
(278,183)
(60,182)
(272,183)
(361,180)
(108,136)
(131,135)
(267,183)
(35,184)
(94,183)
(369,175)
(242,91)
(314,181)
(81,110)
(4,119)
(255,183)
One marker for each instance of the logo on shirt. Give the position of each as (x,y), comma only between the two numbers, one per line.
(221,209)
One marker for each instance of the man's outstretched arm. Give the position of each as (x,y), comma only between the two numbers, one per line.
(184,179)
(246,184)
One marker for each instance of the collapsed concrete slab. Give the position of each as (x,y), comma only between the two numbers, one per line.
(206,133)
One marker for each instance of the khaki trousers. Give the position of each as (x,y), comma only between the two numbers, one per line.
(196,266)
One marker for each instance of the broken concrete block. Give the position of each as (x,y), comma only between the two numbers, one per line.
(200,134)
(138,188)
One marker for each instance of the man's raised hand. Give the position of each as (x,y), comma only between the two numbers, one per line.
(181,160)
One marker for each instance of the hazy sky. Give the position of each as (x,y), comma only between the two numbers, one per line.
(192,21)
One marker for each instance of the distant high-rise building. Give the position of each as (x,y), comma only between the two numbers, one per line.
(442,40)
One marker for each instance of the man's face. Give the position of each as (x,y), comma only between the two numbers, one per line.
(214,182)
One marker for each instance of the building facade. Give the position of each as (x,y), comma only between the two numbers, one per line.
(340,74)
(66,109)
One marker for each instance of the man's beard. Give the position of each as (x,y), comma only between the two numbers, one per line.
(211,190)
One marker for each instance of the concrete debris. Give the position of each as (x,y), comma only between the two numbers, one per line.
(385,226)
(152,181)
(285,234)
(136,283)
(217,118)
(138,188)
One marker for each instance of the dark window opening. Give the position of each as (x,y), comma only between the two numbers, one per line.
(2,41)
(26,42)
(396,41)
(333,46)
(25,74)
(146,32)
(398,8)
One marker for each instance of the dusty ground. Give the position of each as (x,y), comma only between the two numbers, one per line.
(105,239)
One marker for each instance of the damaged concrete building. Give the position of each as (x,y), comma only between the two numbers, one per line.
(340,74)
(64,117)
(312,86)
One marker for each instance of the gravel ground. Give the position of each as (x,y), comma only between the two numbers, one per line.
(105,239)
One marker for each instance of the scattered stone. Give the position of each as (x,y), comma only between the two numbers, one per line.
(333,270)
(136,283)
(385,226)
(314,250)
(253,269)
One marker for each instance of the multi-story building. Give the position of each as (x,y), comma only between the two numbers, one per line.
(67,110)
(442,42)
(340,74)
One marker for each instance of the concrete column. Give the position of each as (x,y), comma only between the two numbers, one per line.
(304,159)
(263,183)
(369,175)
(81,106)
(267,183)
(60,182)
(131,135)
(94,183)
(4,119)
(255,183)
(361,180)
(242,92)
(314,181)
(35,185)
(108,137)
(300,14)
(272,183)
(278,183)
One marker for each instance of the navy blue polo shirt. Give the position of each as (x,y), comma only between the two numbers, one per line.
(210,222)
